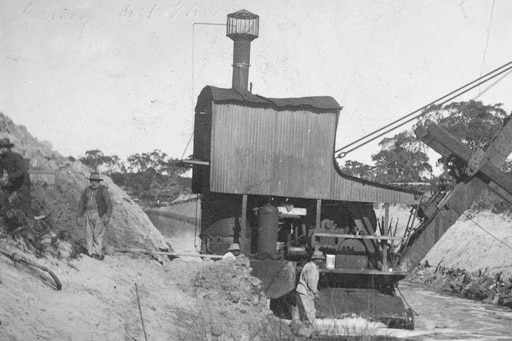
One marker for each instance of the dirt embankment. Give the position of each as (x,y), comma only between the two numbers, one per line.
(478,285)
(179,300)
(472,259)
(57,183)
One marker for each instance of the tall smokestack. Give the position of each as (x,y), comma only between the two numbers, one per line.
(242,28)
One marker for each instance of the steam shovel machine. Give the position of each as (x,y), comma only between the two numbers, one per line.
(267,177)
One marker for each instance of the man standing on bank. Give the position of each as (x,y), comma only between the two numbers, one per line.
(95,206)
(307,288)
(16,183)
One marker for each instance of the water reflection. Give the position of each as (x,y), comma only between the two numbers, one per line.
(446,317)
(180,234)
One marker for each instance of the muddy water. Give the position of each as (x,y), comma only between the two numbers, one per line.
(446,317)
(180,234)
(441,316)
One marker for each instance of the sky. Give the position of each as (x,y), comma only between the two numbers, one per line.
(123,76)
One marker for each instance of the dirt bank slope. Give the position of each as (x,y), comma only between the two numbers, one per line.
(484,241)
(57,184)
(478,240)
(472,259)
(179,300)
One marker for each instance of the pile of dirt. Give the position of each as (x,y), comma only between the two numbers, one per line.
(230,281)
(235,306)
(57,183)
(128,296)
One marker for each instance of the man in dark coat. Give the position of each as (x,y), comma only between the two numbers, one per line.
(14,177)
(95,206)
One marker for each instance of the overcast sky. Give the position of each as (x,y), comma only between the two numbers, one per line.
(122,76)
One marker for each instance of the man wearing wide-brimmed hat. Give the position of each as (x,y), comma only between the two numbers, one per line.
(95,206)
(16,183)
(233,252)
(307,289)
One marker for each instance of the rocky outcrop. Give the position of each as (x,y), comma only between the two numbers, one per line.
(56,186)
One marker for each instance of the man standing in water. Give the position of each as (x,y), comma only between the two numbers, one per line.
(95,206)
(307,289)
(233,252)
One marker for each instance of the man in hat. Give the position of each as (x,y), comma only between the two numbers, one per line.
(307,288)
(16,183)
(95,206)
(233,252)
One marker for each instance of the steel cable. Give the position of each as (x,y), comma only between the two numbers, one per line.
(395,157)
(502,69)
(400,292)
(479,226)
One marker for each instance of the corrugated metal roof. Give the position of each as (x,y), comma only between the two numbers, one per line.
(219,95)
(288,153)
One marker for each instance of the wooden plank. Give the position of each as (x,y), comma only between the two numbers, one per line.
(351,236)
(386,233)
(498,178)
(447,144)
(501,191)
(360,272)
(364,272)
(175,254)
(444,143)
(196,162)
(318,213)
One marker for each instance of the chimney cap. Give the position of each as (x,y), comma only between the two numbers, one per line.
(242,25)
(243,14)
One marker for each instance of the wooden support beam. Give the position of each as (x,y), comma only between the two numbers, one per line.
(443,142)
(353,236)
(318,213)
(243,226)
(386,233)
(447,145)
(318,219)
(164,253)
(195,162)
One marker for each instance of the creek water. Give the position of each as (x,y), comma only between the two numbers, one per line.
(180,234)
(440,316)
(446,317)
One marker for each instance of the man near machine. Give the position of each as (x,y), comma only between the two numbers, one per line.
(307,289)
(95,206)
(16,183)
(233,252)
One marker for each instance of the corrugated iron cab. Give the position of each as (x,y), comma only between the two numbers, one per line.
(268,179)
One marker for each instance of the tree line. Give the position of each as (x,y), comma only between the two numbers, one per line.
(403,158)
(157,160)
(152,179)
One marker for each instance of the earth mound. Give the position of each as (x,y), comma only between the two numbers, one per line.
(57,183)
